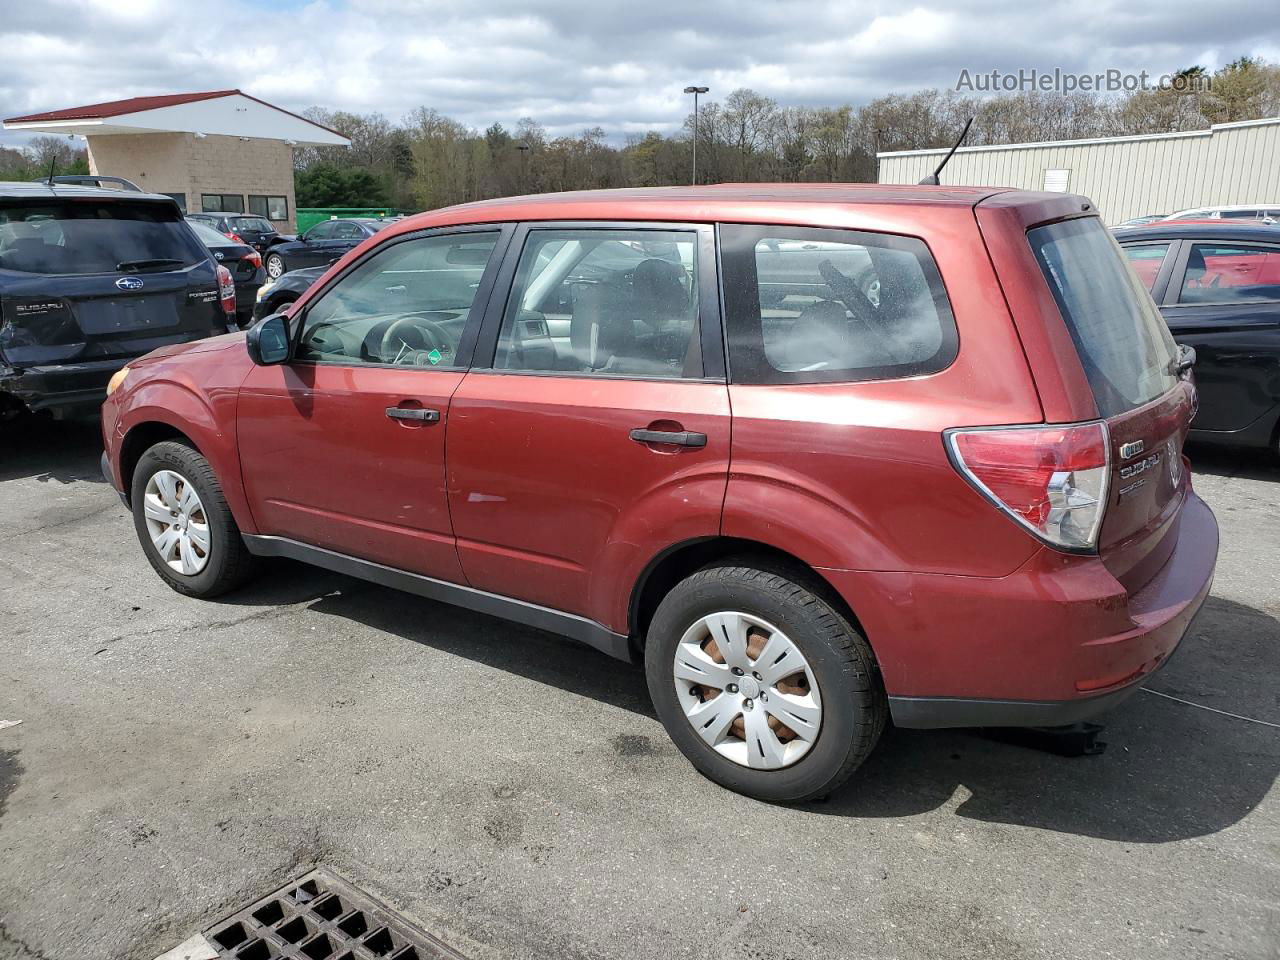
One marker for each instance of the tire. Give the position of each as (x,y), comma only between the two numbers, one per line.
(275,266)
(853,707)
(225,563)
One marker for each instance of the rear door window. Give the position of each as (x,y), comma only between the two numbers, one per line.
(1224,273)
(807,306)
(604,302)
(87,237)
(1122,341)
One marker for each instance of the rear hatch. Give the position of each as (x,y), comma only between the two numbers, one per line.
(88,278)
(1131,363)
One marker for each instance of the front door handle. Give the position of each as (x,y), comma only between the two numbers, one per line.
(682,438)
(413,413)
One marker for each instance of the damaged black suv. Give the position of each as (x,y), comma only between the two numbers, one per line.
(90,278)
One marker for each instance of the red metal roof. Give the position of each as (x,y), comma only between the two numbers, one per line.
(116,108)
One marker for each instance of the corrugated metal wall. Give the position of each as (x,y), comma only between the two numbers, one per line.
(1231,163)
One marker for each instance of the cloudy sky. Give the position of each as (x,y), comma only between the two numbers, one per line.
(618,65)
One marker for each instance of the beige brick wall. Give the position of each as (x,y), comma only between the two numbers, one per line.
(184,163)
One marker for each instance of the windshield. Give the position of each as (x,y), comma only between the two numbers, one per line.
(79,237)
(250,225)
(1123,343)
(209,236)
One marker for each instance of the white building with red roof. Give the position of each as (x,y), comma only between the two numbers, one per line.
(218,150)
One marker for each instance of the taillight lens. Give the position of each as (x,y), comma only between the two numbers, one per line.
(226,290)
(253,258)
(1051,479)
(233,236)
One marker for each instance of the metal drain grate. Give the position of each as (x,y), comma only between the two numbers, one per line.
(322,917)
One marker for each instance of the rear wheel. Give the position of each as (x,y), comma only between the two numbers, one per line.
(183,522)
(762,684)
(275,266)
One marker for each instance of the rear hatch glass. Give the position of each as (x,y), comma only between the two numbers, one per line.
(1130,360)
(88,278)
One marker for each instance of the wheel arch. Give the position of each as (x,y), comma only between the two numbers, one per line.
(682,559)
(140,438)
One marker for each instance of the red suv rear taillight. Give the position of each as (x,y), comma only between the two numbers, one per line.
(226,290)
(1050,478)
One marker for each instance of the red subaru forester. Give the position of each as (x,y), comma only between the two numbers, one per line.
(820,456)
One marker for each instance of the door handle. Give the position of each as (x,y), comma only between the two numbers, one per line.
(413,413)
(682,438)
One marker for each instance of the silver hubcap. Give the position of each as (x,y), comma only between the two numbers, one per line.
(747,690)
(176,521)
(275,267)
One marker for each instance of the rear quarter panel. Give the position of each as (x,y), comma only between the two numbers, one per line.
(855,475)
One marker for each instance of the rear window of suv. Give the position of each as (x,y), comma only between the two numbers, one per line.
(1123,343)
(87,237)
(810,306)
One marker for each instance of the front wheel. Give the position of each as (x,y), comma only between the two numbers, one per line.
(275,266)
(763,685)
(183,522)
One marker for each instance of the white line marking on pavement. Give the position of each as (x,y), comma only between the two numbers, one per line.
(9,723)
(1201,706)
(197,948)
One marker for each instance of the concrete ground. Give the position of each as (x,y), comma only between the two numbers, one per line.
(514,794)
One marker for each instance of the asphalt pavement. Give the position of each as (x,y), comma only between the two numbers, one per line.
(514,794)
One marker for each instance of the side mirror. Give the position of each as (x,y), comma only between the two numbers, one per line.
(268,341)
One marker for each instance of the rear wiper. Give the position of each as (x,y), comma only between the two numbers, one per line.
(160,262)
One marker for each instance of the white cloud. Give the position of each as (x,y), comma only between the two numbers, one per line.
(618,65)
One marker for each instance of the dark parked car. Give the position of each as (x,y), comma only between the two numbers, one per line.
(322,244)
(962,504)
(1218,287)
(256,231)
(244,262)
(275,295)
(91,278)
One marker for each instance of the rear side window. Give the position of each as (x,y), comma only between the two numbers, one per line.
(810,306)
(1122,341)
(1146,260)
(79,237)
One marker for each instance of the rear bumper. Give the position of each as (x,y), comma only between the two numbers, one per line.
(61,387)
(1056,642)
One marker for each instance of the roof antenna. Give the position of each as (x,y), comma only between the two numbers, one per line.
(52,163)
(932,179)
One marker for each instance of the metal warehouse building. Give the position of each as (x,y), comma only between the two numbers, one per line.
(1126,177)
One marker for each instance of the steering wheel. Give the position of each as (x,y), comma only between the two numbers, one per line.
(405,338)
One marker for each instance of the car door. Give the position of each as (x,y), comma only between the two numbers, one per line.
(1224,300)
(312,249)
(593,430)
(343,447)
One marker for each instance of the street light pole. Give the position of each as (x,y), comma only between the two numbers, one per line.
(695,91)
(524,166)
